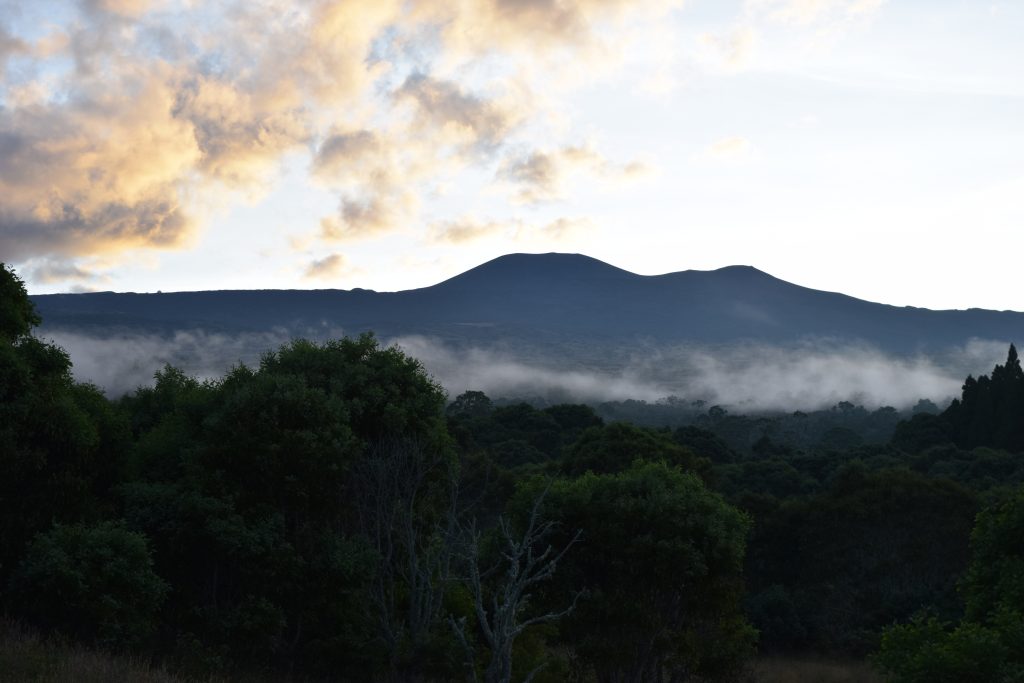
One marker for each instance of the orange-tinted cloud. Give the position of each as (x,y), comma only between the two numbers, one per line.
(464,120)
(99,174)
(543,175)
(469,228)
(167,105)
(125,8)
(238,137)
(476,26)
(376,181)
(326,268)
(731,149)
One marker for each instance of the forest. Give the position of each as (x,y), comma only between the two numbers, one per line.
(331,514)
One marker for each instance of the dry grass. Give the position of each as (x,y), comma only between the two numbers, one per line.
(27,658)
(791,670)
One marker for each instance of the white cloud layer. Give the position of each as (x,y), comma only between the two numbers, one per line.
(747,378)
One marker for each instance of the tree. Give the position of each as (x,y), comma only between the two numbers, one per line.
(17,314)
(385,391)
(705,444)
(990,411)
(988,643)
(927,650)
(470,404)
(251,494)
(501,599)
(920,432)
(406,507)
(91,582)
(61,444)
(614,448)
(867,552)
(995,579)
(661,562)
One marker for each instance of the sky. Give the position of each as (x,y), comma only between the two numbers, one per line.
(871,147)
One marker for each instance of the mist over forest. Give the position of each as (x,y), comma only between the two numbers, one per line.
(746,377)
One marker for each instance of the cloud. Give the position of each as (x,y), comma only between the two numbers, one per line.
(731,149)
(744,377)
(474,26)
(51,270)
(467,229)
(383,211)
(822,21)
(123,8)
(812,23)
(377,181)
(561,229)
(760,377)
(470,122)
(544,175)
(121,363)
(810,12)
(499,373)
(343,152)
(129,117)
(10,45)
(471,229)
(327,268)
(106,172)
(239,139)
(734,49)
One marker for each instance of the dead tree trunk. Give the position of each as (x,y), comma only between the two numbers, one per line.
(499,605)
(410,536)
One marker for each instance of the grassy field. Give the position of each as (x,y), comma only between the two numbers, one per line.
(794,670)
(27,658)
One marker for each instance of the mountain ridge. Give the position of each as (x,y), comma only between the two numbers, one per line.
(567,300)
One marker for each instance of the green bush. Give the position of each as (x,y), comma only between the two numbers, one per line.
(90,582)
(927,651)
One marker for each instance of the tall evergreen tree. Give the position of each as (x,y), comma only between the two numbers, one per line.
(990,411)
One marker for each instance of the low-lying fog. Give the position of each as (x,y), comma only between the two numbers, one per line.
(745,377)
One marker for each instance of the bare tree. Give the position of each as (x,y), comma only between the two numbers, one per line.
(500,605)
(406,498)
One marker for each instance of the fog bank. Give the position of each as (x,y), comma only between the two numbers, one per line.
(746,377)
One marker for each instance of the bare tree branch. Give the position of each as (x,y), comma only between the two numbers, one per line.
(413,549)
(508,596)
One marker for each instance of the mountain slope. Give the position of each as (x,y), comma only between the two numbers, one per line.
(549,299)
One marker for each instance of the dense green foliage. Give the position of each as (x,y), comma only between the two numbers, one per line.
(661,559)
(63,445)
(988,642)
(834,568)
(95,583)
(325,513)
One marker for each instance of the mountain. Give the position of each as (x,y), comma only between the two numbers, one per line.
(556,301)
